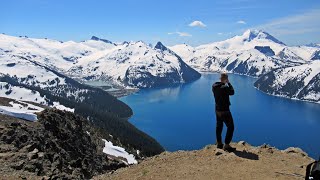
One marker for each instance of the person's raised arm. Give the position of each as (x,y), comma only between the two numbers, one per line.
(230,89)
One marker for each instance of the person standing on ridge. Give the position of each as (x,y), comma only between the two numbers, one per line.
(221,91)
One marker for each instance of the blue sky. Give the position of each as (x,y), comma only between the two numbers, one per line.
(292,21)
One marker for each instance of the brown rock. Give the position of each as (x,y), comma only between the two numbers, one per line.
(294,150)
(265,146)
(218,152)
(243,143)
(18,165)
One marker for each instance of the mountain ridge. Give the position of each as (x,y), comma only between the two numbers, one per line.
(238,55)
(132,64)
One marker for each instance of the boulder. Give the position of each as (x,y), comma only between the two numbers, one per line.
(218,152)
(264,146)
(295,150)
(242,143)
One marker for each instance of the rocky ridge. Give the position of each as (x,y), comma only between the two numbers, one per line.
(248,162)
(60,145)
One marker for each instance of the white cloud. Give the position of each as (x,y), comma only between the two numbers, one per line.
(182,34)
(197,24)
(306,22)
(226,33)
(241,22)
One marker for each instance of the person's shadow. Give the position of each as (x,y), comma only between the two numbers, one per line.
(246,155)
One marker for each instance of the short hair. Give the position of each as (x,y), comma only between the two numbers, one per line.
(224,76)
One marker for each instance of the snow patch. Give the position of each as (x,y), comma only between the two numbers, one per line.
(62,107)
(118,152)
(24,110)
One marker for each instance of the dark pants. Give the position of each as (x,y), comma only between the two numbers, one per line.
(224,117)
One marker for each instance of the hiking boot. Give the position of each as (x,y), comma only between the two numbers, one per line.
(228,148)
(219,145)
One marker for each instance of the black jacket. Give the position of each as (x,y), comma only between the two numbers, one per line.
(221,94)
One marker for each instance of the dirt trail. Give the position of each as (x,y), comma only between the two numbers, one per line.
(247,162)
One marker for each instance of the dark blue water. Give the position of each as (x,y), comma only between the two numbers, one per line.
(182,118)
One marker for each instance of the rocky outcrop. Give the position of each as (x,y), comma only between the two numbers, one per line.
(99,39)
(265,50)
(60,145)
(315,55)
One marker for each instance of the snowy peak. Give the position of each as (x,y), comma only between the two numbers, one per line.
(287,54)
(103,40)
(253,53)
(250,35)
(135,64)
(160,46)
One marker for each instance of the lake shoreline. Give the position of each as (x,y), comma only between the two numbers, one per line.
(123,92)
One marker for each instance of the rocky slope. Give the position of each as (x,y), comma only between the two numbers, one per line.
(38,142)
(253,53)
(299,82)
(58,145)
(247,162)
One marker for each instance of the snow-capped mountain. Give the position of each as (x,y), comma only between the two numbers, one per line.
(134,64)
(24,79)
(299,82)
(254,53)
(137,64)
(51,53)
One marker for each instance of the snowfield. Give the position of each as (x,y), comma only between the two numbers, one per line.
(20,93)
(28,72)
